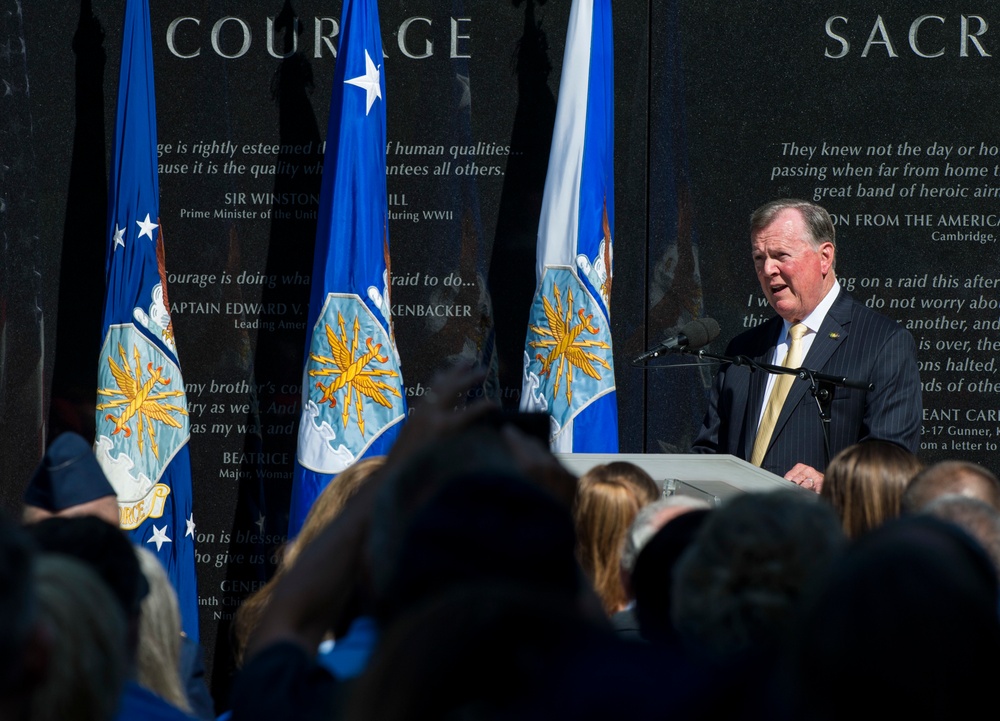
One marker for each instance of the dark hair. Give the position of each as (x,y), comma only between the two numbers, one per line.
(101,546)
(980,520)
(483,528)
(18,602)
(736,587)
(905,626)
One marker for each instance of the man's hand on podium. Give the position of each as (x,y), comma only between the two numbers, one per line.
(805,476)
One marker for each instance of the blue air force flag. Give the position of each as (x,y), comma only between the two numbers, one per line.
(568,369)
(352,389)
(142,418)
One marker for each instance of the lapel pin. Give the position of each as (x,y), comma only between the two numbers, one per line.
(835,335)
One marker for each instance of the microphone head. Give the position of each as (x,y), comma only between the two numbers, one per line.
(712,328)
(700,332)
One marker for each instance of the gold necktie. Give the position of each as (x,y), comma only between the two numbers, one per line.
(782,384)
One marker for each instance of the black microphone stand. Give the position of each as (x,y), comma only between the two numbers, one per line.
(821,385)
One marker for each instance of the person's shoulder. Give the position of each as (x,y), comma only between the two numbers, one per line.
(141,704)
(872,319)
(283,680)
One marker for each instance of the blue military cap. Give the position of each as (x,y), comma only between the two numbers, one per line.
(68,475)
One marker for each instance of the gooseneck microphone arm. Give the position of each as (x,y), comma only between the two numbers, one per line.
(821,385)
(803,373)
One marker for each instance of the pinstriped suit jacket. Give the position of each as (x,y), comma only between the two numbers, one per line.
(854,342)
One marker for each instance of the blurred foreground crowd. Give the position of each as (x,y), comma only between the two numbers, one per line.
(469,576)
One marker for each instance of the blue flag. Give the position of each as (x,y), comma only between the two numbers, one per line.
(568,369)
(142,418)
(352,389)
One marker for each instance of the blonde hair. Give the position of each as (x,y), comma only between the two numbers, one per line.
(87,665)
(325,508)
(608,499)
(159,653)
(864,484)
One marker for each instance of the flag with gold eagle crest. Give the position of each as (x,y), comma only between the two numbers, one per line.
(353,403)
(142,419)
(568,368)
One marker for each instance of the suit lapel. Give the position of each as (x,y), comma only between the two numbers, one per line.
(832,332)
(758,384)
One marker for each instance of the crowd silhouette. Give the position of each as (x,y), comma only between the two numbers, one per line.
(469,575)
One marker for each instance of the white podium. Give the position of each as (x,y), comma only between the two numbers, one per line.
(714,478)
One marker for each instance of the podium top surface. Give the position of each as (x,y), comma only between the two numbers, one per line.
(716,476)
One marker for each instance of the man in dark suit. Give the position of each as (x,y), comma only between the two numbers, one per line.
(773,420)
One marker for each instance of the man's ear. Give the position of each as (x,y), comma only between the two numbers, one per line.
(827,253)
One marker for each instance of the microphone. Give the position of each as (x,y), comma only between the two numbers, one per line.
(695,334)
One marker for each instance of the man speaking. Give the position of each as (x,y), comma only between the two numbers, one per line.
(773,420)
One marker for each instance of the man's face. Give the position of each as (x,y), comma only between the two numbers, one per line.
(792,273)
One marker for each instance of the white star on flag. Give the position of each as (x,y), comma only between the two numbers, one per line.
(369,82)
(190,527)
(159,537)
(260,522)
(119,236)
(147,227)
